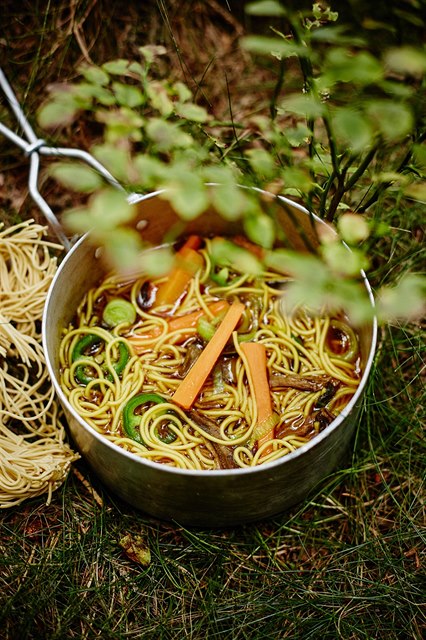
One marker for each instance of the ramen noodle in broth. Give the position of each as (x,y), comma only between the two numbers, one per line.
(203,369)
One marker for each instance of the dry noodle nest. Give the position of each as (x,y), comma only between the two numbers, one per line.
(34,456)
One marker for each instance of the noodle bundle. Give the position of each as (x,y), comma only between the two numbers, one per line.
(158,367)
(34,458)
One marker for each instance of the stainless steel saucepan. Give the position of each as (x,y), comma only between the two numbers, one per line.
(205,498)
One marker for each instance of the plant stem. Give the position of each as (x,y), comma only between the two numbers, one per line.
(277,90)
(385,185)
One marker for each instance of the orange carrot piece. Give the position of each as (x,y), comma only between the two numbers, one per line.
(191,385)
(192,242)
(255,353)
(188,262)
(186,321)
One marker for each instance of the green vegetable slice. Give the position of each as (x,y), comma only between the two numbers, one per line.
(205,328)
(131,419)
(118,311)
(84,372)
(88,341)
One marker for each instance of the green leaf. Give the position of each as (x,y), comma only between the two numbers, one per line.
(390,176)
(394,120)
(342,261)
(405,300)
(94,74)
(85,93)
(185,191)
(318,287)
(77,177)
(226,253)
(353,228)
(227,197)
(156,263)
(105,97)
(296,178)
(167,135)
(260,229)
(406,59)
(265,8)
(321,12)
(159,98)
(183,93)
(398,89)
(123,247)
(128,95)
(138,69)
(305,267)
(306,105)
(337,34)
(419,154)
(278,46)
(115,159)
(229,200)
(151,51)
(121,124)
(105,211)
(192,112)
(343,65)
(352,128)
(298,135)
(118,67)
(58,112)
(262,162)
(350,296)
(417,191)
(150,170)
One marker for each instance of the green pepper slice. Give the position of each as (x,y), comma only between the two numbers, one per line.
(131,419)
(82,371)
(220,277)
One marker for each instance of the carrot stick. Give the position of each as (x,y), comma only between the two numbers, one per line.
(188,262)
(255,353)
(186,321)
(192,242)
(191,385)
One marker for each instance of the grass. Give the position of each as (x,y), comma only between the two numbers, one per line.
(346,563)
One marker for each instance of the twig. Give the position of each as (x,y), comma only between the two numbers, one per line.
(97,498)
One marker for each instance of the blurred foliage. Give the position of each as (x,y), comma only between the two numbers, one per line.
(345,130)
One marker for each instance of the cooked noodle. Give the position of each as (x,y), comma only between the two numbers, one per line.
(218,431)
(33,454)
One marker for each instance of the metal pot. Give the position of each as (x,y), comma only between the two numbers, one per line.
(199,498)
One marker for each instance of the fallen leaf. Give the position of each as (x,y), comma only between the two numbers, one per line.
(136,549)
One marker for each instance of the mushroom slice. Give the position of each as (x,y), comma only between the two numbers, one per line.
(314,383)
(225,457)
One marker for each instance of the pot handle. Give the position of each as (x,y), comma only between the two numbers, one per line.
(33,148)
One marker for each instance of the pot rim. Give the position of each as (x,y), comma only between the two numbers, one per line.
(222,473)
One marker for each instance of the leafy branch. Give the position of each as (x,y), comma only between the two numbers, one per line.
(342,131)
